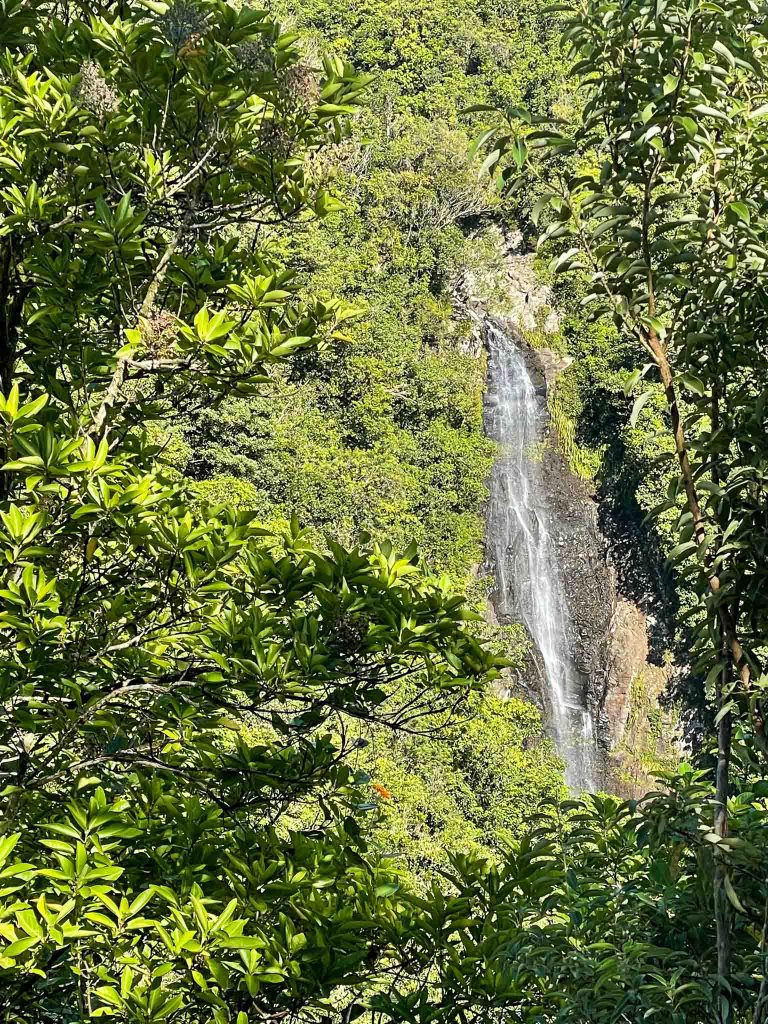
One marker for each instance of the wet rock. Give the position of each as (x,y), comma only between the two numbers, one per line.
(538,534)
(607,632)
(611,580)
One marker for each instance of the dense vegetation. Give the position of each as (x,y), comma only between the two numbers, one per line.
(230,369)
(660,197)
(177,681)
(382,430)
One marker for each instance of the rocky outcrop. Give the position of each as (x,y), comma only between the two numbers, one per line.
(643,728)
(609,624)
(588,579)
(608,631)
(510,291)
(627,651)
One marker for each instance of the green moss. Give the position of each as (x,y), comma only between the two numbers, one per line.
(563,407)
(536,452)
(650,729)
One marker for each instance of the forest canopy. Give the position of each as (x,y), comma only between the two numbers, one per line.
(261,754)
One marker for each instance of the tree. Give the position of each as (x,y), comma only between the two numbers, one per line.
(602,915)
(661,197)
(180,834)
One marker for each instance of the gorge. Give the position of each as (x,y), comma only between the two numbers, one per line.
(384,491)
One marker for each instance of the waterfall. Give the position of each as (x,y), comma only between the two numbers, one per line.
(524,554)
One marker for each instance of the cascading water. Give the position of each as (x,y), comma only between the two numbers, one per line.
(524,555)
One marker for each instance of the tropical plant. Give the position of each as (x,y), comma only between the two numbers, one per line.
(661,199)
(385,431)
(174,679)
(601,915)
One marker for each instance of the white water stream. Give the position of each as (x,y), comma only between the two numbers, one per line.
(525,557)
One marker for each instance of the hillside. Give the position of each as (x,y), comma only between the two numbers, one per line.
(382,512)
(383,433)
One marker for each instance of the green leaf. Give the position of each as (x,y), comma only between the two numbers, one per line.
(387,889)
(692,383)
(241,942)
(19,947)
(671,83)
(732,896)
(741,210)
(7,846)
(640,402)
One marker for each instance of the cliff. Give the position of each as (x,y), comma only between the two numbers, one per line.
(608,625)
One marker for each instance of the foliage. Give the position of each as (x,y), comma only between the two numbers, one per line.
(417,472)
(470,787)
(384,431)
(601,915)
(150,871)
(200,709)
(660,197)
(674,268)
(436,58)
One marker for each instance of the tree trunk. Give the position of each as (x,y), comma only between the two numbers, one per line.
(13,295)
(721,902)
(736,665)
(739,662)
(101,418)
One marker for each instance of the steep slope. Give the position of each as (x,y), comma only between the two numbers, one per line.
(384,432)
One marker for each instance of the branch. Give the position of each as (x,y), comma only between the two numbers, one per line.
(118,377)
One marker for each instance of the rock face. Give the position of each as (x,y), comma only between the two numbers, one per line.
(512,290)
(587,581)
(608,628)
(607,633)
(532,543)
(627,657)
(530,303)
